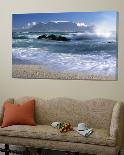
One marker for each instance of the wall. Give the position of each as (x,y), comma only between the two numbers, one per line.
(81,89)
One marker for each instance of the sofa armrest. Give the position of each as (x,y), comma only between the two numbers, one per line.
(117,122)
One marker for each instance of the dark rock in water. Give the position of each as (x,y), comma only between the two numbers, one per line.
(53,37)
(41,37)
(109,42)
(60,38)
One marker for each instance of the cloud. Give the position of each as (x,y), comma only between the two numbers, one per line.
(34,23)
(81,24)
(29,24)
(60,21)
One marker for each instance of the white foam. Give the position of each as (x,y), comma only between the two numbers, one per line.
(68,62)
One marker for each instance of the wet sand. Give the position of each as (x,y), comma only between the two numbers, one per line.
(40,72)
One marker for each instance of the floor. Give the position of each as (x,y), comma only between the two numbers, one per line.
(45,152)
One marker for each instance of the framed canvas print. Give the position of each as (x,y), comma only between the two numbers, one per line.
(69,46)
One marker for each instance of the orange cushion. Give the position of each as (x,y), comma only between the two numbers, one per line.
(11,100)
(19,114)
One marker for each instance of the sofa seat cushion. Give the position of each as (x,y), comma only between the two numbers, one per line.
(45,132)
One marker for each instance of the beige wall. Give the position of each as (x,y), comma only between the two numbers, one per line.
(50,88)
(82,89)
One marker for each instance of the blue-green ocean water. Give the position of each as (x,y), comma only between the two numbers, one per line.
(87,53)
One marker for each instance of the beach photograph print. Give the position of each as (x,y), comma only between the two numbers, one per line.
(65,46)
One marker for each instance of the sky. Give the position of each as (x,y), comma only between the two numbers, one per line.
(106,18)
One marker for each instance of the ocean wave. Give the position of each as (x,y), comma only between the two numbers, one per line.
(72,36)
(72,47)
(20,37)
(102,64)
(25,36)
(87,36)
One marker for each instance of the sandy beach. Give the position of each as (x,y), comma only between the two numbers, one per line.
(40,72)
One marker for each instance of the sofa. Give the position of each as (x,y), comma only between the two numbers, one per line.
(105,116)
